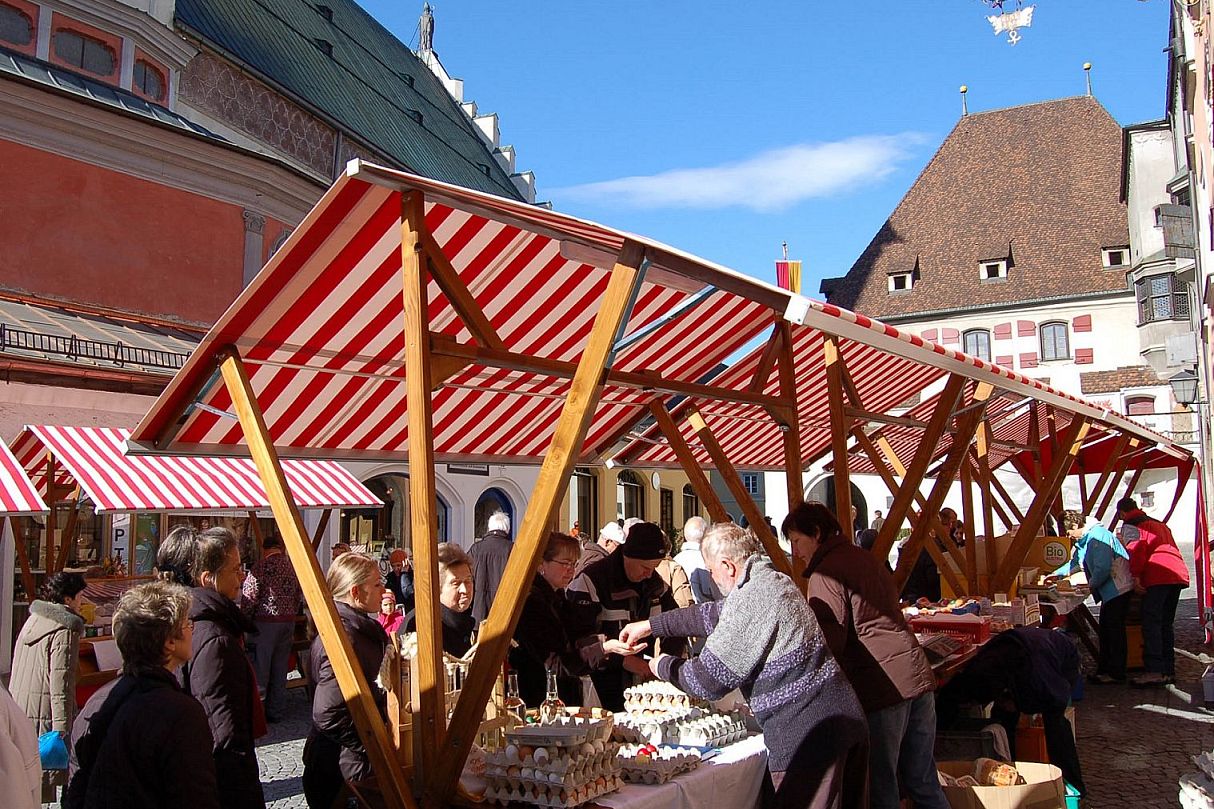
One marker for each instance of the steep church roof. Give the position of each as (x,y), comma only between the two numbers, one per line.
(336,58)
(1036,185)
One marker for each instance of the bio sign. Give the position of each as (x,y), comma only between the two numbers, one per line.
(1055,553)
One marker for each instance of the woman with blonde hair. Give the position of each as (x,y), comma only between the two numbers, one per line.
(333,752)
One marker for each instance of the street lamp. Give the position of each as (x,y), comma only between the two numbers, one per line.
(1184,387)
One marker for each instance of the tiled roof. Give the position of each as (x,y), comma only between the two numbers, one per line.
(1127,376)
(337,58)
(1044,178)
(26,68)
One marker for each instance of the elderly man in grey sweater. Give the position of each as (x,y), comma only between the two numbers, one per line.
(763,639)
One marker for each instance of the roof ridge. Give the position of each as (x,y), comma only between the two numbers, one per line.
(1025,105)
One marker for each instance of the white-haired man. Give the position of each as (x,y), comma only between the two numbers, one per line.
(692,561)
(611,536)
(764,639)
(489,557)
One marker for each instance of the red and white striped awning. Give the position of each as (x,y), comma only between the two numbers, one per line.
(18,497)
(94,458)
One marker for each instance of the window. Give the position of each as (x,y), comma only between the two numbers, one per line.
(666,511)
(992,270)
(83,52)
(691,503)
(629,496)
(1055,342)
(1140,405)
(977,343)
(16,27)
(750,480)
(900,282)
(1115,256)
(1159,299)
(585,502)
(149,81)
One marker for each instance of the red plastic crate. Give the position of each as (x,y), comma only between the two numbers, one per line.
(972,631)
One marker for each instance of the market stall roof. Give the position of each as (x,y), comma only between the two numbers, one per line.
(18,496)
(95,458)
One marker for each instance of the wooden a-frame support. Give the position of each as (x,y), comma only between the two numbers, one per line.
(840,427)
(319,535)
(1129,490)
(695,475)
(354,686)
(498,629)
(23,558)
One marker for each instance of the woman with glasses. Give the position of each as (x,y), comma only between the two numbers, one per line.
(544,638)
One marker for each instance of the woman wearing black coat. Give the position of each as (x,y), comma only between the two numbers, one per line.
(543,641)
(220,676)
(333,752)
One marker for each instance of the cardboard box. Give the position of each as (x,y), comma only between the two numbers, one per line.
(1044,789)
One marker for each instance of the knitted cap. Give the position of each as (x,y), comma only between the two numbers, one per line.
(645,541)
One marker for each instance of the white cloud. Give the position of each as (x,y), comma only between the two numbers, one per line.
(769,181)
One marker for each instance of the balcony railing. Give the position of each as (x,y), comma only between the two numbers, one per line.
(74,347)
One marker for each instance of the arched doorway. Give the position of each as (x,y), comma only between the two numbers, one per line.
(824,492)
(392,522)
(491,501)
(629,496)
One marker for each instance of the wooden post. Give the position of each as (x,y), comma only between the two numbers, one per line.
(1060,464)
(982,447)
(840,426)
(738,489)
(1106,474)
(498,629)
(967,517)
(1129,490)
(69,531)
(27,574)
(695,475)
(430,714)
(255,530)
(323,526)
(793,468)
(1008,500)
(919,465)
(1123,466)
(354,685)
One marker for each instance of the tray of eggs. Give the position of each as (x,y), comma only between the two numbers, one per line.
(655,764)
(657,696)
(578,726)
(552,775)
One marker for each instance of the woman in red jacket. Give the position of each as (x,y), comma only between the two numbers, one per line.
(1160,574)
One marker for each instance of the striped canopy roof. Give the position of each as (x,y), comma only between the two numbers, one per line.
(18,496)
(94,458)
(320,332)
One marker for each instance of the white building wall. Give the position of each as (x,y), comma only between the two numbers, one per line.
(1151,167)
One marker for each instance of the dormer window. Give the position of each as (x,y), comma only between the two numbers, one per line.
(993,270)
(901,281)
(1115,257)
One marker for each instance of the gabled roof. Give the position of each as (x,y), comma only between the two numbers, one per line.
(357,74)
(1043,178)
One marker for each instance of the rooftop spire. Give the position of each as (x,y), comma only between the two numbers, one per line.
(965,110)
(1087,75)
(426,29)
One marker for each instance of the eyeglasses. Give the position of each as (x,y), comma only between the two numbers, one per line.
(568,564)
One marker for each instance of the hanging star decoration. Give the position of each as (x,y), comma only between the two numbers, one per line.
(1010,22)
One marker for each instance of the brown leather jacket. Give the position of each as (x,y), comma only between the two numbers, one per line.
(854,599)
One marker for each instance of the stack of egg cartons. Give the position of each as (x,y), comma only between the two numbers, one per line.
(562,764)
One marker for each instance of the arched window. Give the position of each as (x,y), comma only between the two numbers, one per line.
(490,502)
(629,496)
(84,52)
(16,27)
(977,343)
(691,503)
(1055,342)
(149,80)
(1140,405)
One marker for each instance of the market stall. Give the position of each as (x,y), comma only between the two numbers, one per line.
(18,498)
(525,336)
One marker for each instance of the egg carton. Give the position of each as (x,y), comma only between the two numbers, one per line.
(693,728)
(658,767)
(572,730)
(552,758)
(553,795)
(583,770)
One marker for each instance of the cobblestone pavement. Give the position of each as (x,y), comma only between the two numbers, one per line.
(280,754)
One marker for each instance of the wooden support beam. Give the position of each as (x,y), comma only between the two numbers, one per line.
(69,531)
(461,299)
(767,360)
(793,466)
(967,519)
(430,714)
(321,527)
(738,489)
(905,496)
(255,530)
(350,678)
(982,465)
(498,629)
(1083,485)
(1060,464)
(840,426)
(695,474)
(1106,474)
(1034,440)
(23,558)
(1123,466)
(868,416)
(1012,508)
(1129,490)
(947,473)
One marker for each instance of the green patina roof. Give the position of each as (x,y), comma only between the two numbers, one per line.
(372,85)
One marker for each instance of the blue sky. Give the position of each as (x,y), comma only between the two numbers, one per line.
(726,128)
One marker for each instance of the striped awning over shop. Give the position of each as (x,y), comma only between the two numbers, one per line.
(17,493)
(95,459)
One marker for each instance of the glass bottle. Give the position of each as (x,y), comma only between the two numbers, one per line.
(514,703)
(552,706)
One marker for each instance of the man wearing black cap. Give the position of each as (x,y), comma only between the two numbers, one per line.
(614,592)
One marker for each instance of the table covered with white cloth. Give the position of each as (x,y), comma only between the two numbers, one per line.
(731,778)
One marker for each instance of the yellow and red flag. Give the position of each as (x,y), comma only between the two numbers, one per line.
(788,275)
